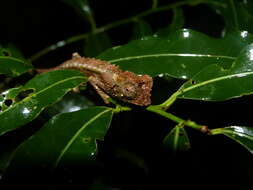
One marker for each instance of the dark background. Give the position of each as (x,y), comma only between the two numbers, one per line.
(214,162)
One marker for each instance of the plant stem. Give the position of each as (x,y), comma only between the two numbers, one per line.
(157,109)
(216,131)
(165,105)
(119,108)
(104,28)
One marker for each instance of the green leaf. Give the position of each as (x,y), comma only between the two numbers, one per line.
(217,83)
(10,95)
(177,139)
(237,15)
(12,66)
(68,138)
(181,54)
(47,89)
(141,29)
(242,135)
(97,43)
(14,51)
(69,103)
(176,24)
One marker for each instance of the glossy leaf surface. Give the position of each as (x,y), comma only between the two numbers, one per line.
(8,95)
(12,66)
(69,103)
(242,135)
(47,89)
(181,54)
(177,139)
(68,138)
(216,83)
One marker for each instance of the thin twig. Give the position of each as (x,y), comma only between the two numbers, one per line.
(157,109)
(104,28)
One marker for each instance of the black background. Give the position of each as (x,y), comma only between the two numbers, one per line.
(214,162)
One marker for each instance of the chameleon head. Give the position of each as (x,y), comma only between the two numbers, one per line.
(129,87)
(143,98)
(127,90)
(137,89)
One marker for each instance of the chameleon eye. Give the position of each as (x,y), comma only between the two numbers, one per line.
(129,91)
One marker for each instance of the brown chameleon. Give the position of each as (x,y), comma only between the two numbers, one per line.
(110,81)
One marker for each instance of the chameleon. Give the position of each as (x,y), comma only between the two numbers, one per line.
(110,81)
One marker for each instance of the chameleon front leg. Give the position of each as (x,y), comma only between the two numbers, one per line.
(95,83)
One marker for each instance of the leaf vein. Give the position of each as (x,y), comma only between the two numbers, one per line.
(77,134)
(170,55)
(39,92)
(215,80)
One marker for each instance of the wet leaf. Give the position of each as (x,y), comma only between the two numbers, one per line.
(10,95)
(69,103)
(12,66)
(177,139)
(216,83)
(67,139)
(240,134)
(181,54)
(47,89)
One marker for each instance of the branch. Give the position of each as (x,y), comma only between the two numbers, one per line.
(157,109)
(104,28)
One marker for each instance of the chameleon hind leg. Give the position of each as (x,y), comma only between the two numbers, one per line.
(95,83)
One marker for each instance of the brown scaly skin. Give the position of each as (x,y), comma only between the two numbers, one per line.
(110,81)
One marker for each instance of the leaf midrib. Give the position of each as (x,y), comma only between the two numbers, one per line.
(77,134)
(232,133)
(12,58)
(41,91)
(215,80)
(176,138)
(170,55)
